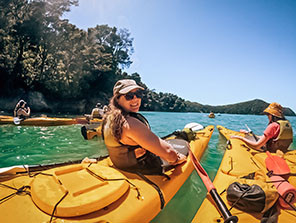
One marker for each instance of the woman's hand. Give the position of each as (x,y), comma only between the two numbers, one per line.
(88,160)
(180,159)
(244,131)
(235,137)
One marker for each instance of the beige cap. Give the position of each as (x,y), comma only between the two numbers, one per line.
(124,86)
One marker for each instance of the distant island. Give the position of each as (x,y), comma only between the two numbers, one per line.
(252,107)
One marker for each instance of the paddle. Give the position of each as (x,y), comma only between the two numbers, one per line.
(213,192)
(275,164)
(16,120)
(251,132)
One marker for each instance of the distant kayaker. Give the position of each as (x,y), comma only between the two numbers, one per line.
(22,110)
(127,135)
(97,112)
(277,136)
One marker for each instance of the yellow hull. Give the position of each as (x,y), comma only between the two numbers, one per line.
(211,115)
(239,160)
(39,121)
(5,116)
(94,133)
(91,131)
(128,208)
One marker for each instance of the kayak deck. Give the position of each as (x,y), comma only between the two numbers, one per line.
(140,203)
(240,160)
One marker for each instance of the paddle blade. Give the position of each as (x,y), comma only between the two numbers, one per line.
(276,164)
(16,120)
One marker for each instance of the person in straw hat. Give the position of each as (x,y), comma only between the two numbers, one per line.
(277,136)
(132,146)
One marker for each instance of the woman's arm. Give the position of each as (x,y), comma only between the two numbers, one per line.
(24,112)
(136,131)
(16,109)
(253,144)
(28,111)
(92,112)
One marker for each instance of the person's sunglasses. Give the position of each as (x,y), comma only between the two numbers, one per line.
(130,95)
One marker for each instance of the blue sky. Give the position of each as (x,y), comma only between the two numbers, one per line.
(214,52)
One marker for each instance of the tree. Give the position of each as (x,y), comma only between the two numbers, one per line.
(25,31)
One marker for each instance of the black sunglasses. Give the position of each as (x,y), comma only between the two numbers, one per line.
(130,95)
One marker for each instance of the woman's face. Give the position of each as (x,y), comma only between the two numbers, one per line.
(130,102)
(269,117)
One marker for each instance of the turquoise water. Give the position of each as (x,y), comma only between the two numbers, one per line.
(42,145)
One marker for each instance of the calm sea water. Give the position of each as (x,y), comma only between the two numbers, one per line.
(42,145)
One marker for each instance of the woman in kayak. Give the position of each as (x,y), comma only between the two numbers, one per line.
(22,110)
(277,136)
(131,144)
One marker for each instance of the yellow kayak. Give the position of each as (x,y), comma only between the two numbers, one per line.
(91,131)
(84,120)
(5,116)
(211,115)
(92,193)
(240,160)
(38,121)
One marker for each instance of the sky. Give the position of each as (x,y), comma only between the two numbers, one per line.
(213,52)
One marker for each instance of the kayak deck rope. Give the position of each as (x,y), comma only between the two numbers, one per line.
(238,199)
(156,187)
(19,191)
(291,205)
(231,165)
(56,205)
(255,162)
(270,173)
(22,190)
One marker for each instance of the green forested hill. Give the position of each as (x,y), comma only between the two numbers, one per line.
(255,107)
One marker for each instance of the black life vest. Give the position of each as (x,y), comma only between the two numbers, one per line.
(123,156)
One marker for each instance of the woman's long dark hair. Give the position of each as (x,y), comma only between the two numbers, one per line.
(18,105)
(118,116)
(275,119)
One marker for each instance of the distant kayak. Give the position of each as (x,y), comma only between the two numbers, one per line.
(211,115)
(91,131)
(85,120)
(92,193)
(240,161)
(37,121)
(5,116)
